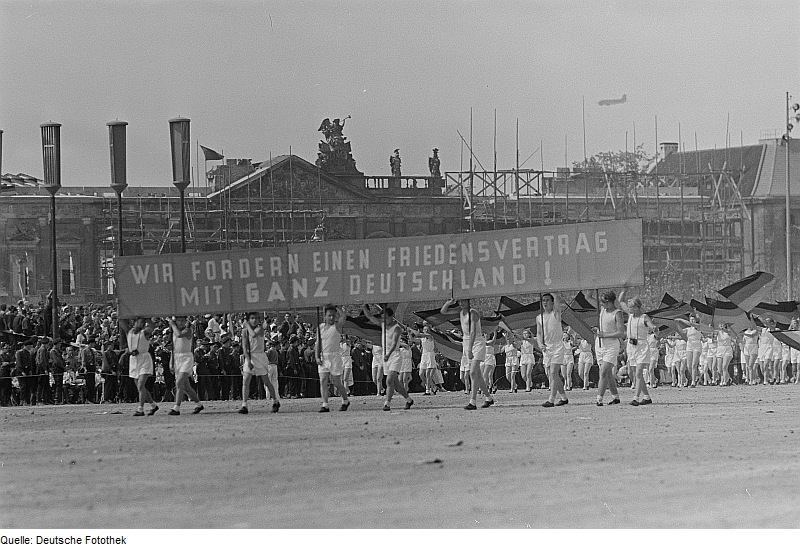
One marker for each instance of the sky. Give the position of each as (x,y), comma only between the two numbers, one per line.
(258,77)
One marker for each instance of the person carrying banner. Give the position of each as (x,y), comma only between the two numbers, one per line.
(611,328)
(182,364)
(550,340)
(141,362)
(474,350)
(255,362)
(638,329)
(328,351)
(392,360)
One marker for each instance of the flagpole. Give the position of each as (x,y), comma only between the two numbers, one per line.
(599,313)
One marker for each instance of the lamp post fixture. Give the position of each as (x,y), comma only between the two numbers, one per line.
(119,178)
(181,157)
(792,114)
(51,160)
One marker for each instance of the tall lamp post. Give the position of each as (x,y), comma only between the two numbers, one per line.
(51,160)
(119,178)
(788,138)
(181,156)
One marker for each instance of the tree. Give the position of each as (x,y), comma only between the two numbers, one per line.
(635,161)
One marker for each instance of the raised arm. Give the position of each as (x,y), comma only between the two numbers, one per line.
(371,317)
(447,304)
(341,317)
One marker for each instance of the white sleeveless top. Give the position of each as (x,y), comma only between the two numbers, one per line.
(694,339)
(608,324)
(330,339)
(552,336)
(428,345)
(139,342)
(637,329)
(465,328)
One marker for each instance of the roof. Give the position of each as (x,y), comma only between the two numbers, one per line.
(264,167)
(20,180)
(743,162)
(772,180)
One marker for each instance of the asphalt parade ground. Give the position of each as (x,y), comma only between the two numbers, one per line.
(704,457)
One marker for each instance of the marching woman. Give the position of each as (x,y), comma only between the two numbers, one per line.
(704,377)
(609,332)
(585,360)
(669,358)
(527,360)
(512,361)
(680,359)
(141,362)
(764,361)
(638,329)
(569,361)
(777,354)
(725,340)
(711,359)
(794,353)
(427,363)
(377,369)
(750,353)
(694,346)
(490,363)
(347,361)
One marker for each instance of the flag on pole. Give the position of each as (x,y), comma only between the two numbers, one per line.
(729,313)
(581,316)
(506,303)
(701,307)
(668,300)
(749,291)
(361,327)
(211,154)
(789,337)
(450,346)
(436,318)
(399,309)
(520,317)
(781,312)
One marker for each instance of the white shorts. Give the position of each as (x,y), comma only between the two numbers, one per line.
(333,365)
(348,377)
(638,354)
(428,361)
(478,350)
(184,363)
(607,353)
(787,354)
(726,353)
(259,365)
(406,366)
(394,364)
(585,358)
(464,364)
(795,356)
(750,350)
(140,365)
(528,359)
(490,360)
(553,357)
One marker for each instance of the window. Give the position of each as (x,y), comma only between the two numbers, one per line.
(66,285)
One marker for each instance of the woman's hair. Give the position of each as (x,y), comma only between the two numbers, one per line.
(635,301)
(610,296)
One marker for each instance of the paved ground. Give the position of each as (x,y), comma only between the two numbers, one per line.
(706,457)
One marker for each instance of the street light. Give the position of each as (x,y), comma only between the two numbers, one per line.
(788,138)
(179,143)
(51,160)
(119,179)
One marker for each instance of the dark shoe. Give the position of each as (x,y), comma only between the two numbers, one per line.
(152,410)
(634,402)
(197,409)
(562,402)
(599,403)
(615,401)
(470,406)
(385,408)
(324,409)
(137,413)
(487,403)
(547,404)
(427,393)
(344,406)
(645,401)
(528,390)
(243,410)
(275,407)
(409,404)
(173,413)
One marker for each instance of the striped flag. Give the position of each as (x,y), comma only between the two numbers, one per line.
(521,317)
(581,316)
(361,327)
(749,291)
(506,303)
(729,313)
(668,300)
(781,312)
(449,345)
(436,318)
(398,307)
(701,307)
(211,154)
(789,337)
(679,309)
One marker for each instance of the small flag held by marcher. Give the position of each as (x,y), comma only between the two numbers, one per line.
(788,337)
(781,312)
(749,291)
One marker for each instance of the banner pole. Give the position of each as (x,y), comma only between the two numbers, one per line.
(599,316)
(319,332)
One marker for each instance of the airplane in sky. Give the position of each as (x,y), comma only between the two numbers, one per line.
(608,102)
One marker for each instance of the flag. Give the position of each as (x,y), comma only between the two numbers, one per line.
(398,307)
(668,300)
(581,316)
(436,318)
(729,313)
(789,337)
(211,154)
(781,312)
(679,309)
(749,291)
(450,346)
(582,301)
(489,323)
(701,307)
(361,327)
(506,303)
(520,317)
